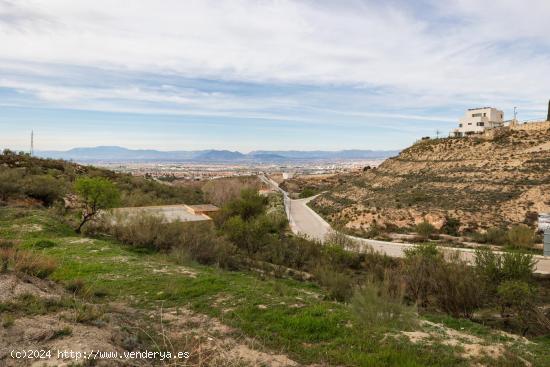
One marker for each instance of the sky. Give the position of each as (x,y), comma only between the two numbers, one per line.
(264,74)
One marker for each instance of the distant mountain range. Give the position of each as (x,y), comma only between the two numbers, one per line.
(117,154)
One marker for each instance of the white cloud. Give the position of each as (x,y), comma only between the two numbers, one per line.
(459,51)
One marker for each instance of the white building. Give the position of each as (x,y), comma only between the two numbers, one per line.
(477,120)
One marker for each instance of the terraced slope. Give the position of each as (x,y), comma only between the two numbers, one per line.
(482,182)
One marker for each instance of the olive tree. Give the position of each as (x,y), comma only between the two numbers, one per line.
(96,194)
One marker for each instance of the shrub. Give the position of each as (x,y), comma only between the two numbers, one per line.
(184,241)
(494,268)
(10,183)
(200,242)
(6,255)
(451,226)
(255,235)
(307,192)
(375,308)
(521,236)
(342,240)
(44,188)
(8,321)
(6,244)
(488,264)
(496,236)
(32,264)
(425,229)
(454,293)
(250,204)
(340,258)
(75,286)
(26,262)
(432,281)
(517,266)
(338,284)
(42,244)
(517,296)
(222,191)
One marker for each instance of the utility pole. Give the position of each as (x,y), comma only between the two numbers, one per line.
(32,142)
(515,113)
(437,132)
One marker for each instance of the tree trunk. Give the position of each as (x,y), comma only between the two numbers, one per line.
(85,219)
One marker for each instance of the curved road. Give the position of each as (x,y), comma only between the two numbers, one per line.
(306,222)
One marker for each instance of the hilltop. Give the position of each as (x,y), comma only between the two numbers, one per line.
(488,181)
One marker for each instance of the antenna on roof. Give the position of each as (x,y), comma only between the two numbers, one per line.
(32,142)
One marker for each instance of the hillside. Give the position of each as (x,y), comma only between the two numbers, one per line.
(483,182)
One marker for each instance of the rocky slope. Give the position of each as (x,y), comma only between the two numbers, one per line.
(483,182)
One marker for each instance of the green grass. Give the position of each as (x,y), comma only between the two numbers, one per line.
(283,315)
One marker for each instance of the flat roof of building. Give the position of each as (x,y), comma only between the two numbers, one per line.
(479,108)
(171,213)
(204,207)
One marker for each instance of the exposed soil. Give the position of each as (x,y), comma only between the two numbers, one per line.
(118,329)
(483,182)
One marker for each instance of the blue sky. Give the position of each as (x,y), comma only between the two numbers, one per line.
(258,74)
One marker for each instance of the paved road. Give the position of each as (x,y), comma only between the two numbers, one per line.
(304,221)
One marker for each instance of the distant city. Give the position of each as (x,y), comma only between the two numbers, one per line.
(211,164)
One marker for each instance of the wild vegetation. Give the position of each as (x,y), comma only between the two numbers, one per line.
(26,180)
(264,289)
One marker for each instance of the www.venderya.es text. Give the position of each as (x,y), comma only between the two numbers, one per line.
(45,354)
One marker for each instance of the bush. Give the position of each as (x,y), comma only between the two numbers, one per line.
(75,286)
(26,262)
(42,244)
(521,236)
(200,242)
(35,265)
(10,183)
(257,234)
(342,240)
(425,229)
(517,266)
(250,204)
(432,281)
(337,256)
(496,236)
(222,191)
(338,284)
(196,241)
(44,188)
(139,230)
(451,226)
(517,297)
(494,268)
(515,294)
(454,293)
(308,192)
(375,308)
